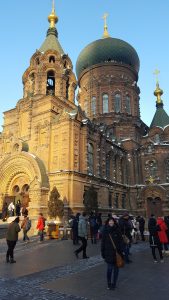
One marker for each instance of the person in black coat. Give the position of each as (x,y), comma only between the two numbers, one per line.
(141,221)
(126,227)
(154,238)
(109,253)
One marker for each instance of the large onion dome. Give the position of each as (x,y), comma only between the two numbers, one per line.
(107,50)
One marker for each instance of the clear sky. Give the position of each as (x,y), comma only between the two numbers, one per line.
(142,23)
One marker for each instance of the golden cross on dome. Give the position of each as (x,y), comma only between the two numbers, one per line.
(105,34)
(105,18)
(156,72)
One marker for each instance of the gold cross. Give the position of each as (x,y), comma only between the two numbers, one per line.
(156,72)
(53,5)
(105,18)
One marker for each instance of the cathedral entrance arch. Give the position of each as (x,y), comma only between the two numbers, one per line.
(153,197)
(23,177)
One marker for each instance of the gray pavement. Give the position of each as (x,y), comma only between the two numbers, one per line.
(49,270)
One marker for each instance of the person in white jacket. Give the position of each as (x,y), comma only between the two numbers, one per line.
(11,208)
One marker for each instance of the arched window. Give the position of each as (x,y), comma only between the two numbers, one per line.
(67,89)
(86,107)
(52,59)
(117,102)
(167,170)
(37,61)
(93,105)
(90,158)
(105,103)
(108,166)
(50,85)
(128,104)
(151,168)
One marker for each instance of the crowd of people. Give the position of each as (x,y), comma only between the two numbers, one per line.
(11,210)
(124,231)
(117,234)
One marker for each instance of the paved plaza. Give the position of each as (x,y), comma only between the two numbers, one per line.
(49,270)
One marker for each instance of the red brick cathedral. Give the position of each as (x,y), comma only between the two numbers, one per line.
(49,140)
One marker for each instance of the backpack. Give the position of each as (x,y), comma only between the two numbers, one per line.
(28,225)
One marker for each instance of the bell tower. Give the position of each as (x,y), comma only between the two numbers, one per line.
(50,71)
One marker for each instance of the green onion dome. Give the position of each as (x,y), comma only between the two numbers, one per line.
(107,50)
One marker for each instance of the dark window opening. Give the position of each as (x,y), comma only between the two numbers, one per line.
(37,61)
(67,89)
(110,200)
(116,200)
(52,59)
(123,201)
(50,85)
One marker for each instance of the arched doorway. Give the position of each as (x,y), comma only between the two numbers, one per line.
(154,206)
(23,177)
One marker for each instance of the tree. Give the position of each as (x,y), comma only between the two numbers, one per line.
(90,200)
(55,205)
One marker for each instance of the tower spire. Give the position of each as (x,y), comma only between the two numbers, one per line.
(105,33)
(52,18)
(158,92)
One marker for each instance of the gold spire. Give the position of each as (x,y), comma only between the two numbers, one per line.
(105,34)
(52,17)
(158,92)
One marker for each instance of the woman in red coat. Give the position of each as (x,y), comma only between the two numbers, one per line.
(162,233)
(41,226)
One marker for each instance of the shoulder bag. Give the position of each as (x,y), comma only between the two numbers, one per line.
(119,259)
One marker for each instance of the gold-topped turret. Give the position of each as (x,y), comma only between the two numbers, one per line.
(158,92)
(105,34)
(52,17)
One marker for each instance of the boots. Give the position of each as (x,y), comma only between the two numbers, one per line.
(12,261)
(7,259)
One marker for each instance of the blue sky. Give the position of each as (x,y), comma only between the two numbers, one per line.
(143,24)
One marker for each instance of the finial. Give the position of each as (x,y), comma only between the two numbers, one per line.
(105,34)
(156,72)
(52,17)
(158,92)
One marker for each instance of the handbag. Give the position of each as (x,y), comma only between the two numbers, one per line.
(125,239)
(119,259)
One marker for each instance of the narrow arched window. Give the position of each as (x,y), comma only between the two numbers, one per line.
(167,170)
(50,85)
(93,105)
(52,59)
(117,102)
(128,104)
(37,61)
(105,103)
(86,107)
(67,89)
(108,166)
(90,158)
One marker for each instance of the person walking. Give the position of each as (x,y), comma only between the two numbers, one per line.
(126,227)
(141,221)
(41,226)
(11,239)
(82,235)
(163,233)
(154,238)
(4,211)
(26,225)
(108,251)
(75,223)
(11,208)
(93,228)
(18,208)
